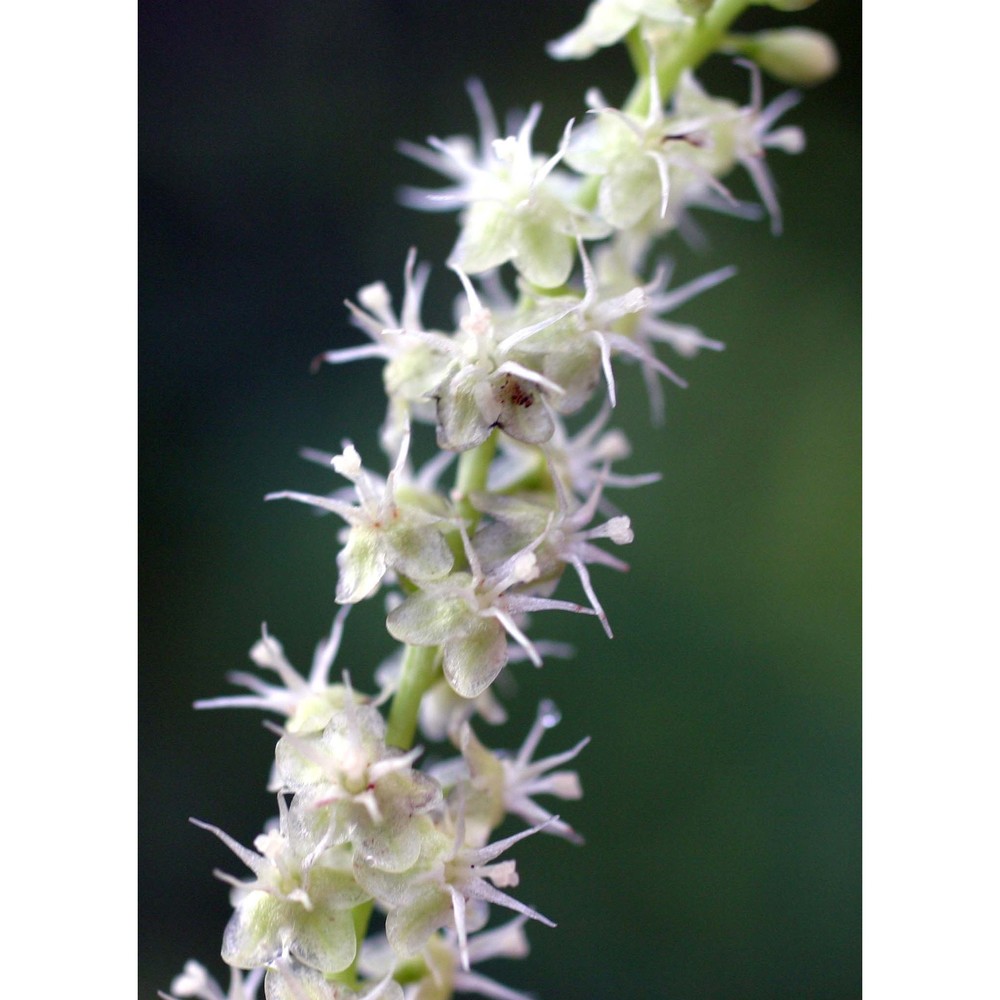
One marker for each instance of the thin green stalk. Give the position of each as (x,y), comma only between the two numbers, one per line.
(705,37)
(420,669)
(473,470)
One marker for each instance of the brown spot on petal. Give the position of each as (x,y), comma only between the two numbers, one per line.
(514,392)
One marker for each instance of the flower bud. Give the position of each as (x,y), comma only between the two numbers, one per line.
(799,56)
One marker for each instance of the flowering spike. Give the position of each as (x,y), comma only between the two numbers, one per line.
(553,260)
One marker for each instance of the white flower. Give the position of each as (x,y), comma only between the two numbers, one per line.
(308,703)
(351,786)
(517,207)
(609,21)
(645,327)
(484,387)
(584,460)
(742,134)
(290,980)
(561,537)
(413,355)
(445,975)
(579,461)
(468,614)
(195,982)
(385,533)
(299,900)
(525,778)
(633,156)
(491,785)
(442,887)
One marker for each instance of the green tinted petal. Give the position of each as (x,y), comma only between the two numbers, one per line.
(472,661)
(542,254)
(408,927)
(523,415)
(296,770)
(287,980)
(362,565)
(577,370)
(253,935)
(629,191)
(486,240)
(324,939)
(335,889)
(426,620)
(392,845)
(413,374)
(466,412)
(420,553)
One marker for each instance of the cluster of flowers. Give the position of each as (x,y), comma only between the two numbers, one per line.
(359,826)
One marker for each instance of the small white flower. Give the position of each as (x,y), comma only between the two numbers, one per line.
(413,355)
(517,207)
(442,888)
(350,786)
(300,899)
(609,21)
(633,156)
(470,616)
(485,387)
(645,327)
(290,980)
(384,532)
(525,778)
(309,702)
(561,537)
(195,982)
(445,975)
(491,785)
(742,134)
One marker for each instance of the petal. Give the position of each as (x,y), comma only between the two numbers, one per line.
(629,191)
(577,371)
(421,553)
(486,240)
(362,565)
(603,25)
(424,619)
(408,927)
(542,254)
(393,845)
(465,412)
(523,414)
(252,937)
(324,939)
(335,889)
(472,661)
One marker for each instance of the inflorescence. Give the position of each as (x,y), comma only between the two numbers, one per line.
(559,283)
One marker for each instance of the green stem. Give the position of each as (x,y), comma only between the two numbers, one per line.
(704,38)
(420,670)
(473,469)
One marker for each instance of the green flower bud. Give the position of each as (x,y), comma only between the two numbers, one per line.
(799,56)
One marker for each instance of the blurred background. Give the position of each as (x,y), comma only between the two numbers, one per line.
(722,783)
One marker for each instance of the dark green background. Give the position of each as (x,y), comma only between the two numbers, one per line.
(722,807)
